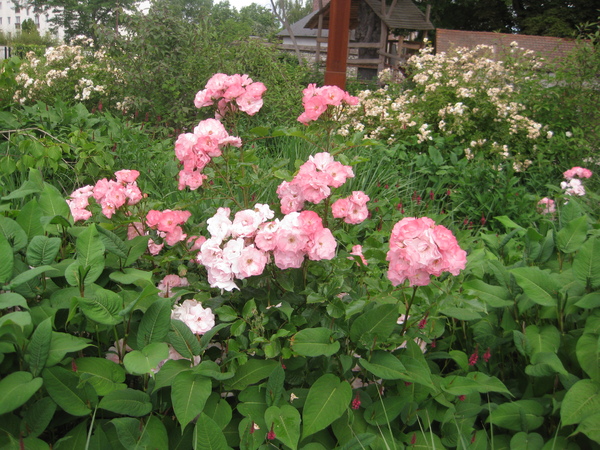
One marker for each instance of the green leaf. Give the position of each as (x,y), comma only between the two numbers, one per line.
(527,441)
(63,343)
(542,339)
(376,323)
(494,296)
(208,435)
(189,393)
(589,301)
(104,375)
(522,415)
(38,348)
(218,409)
(581,401)
(113,243)
(590,426)
(275,386)
(102,306)
(28,275)
(545,364)
(132,276)
(62,385)
(539,286)
(588,354)
(129,402)
(327,400)
(416,367)
(129,432)
(6,268)
(384,365)
(286,424)
(570,238)
(314,342)
(16,388)
(13,233)
(42,250)
(38,416)
(52,202)
(183,340)
(12,299)
(486,383)
(29,219)
(586,265)
(145,361)
(155,323)
(168,372)
(251,372)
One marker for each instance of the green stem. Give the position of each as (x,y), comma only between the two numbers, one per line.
(412,299)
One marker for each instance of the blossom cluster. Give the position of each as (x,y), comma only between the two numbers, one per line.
(198,319)
(195,150)
(109,194)
(313,181)
(231,92)
(316,100)
(168,223)
(352,209)
(419,248)
(242,248)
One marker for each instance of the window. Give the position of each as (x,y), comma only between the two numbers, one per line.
(8,18)
(18,22)
(0,20)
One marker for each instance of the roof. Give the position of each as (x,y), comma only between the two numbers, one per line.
(405,15)
(299,28)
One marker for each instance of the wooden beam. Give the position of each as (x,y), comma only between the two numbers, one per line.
(337,44)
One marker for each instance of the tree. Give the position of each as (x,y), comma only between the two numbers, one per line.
(261,20)
(91,18)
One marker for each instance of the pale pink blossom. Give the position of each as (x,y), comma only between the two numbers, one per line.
(579,172)
(546,206)
(169,282)
(198,319)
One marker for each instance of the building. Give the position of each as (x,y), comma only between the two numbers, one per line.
(12,17)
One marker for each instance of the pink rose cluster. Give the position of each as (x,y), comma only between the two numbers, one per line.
(573,185)
(313,182)
(109,194)
(198,319)
(317,100)
(546,206)
(419,248)
(231,92)
(577,172)
(169,282)
(242,248)
(195,150)
(168,224)
(352,209)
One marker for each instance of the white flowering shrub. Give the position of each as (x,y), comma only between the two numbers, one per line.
(466,95)
(75,72)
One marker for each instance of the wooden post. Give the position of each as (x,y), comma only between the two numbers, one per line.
(337,43)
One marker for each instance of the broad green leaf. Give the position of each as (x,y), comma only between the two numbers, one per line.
(129,431)
(386,410)
(314,342)
(6,268)
(102,306)
(189,393)
(12,299)
(183,340)
(377,323)
(486,383)
(77,274)
(132,276)
(251,372)
(588,354)
(570,238)
(16,388)
(75,439)
(586,265)
(38,416)
(538,285)
(208,435)
(522,415)
(62,385)
(589,301)
(137,247)
(494,296)
(30,274)
(286,424)
(104,375)
(29,219)
(42,250)
(38,348)
(253,405)
(155,323)
(14,234)
(155,432)
(327,400)
(527,441)
(275,386)
(128,402)
(112,243)
(359,441)
(590,426)
(146,361)
(168,372)
(581,401)
(542,339)
(417,369)
(212,370)
(545,364)
(63,343)
(52,202)
(384,365)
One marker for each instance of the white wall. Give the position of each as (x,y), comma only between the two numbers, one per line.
(11,19)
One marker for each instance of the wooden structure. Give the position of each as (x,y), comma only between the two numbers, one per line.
(401,15)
